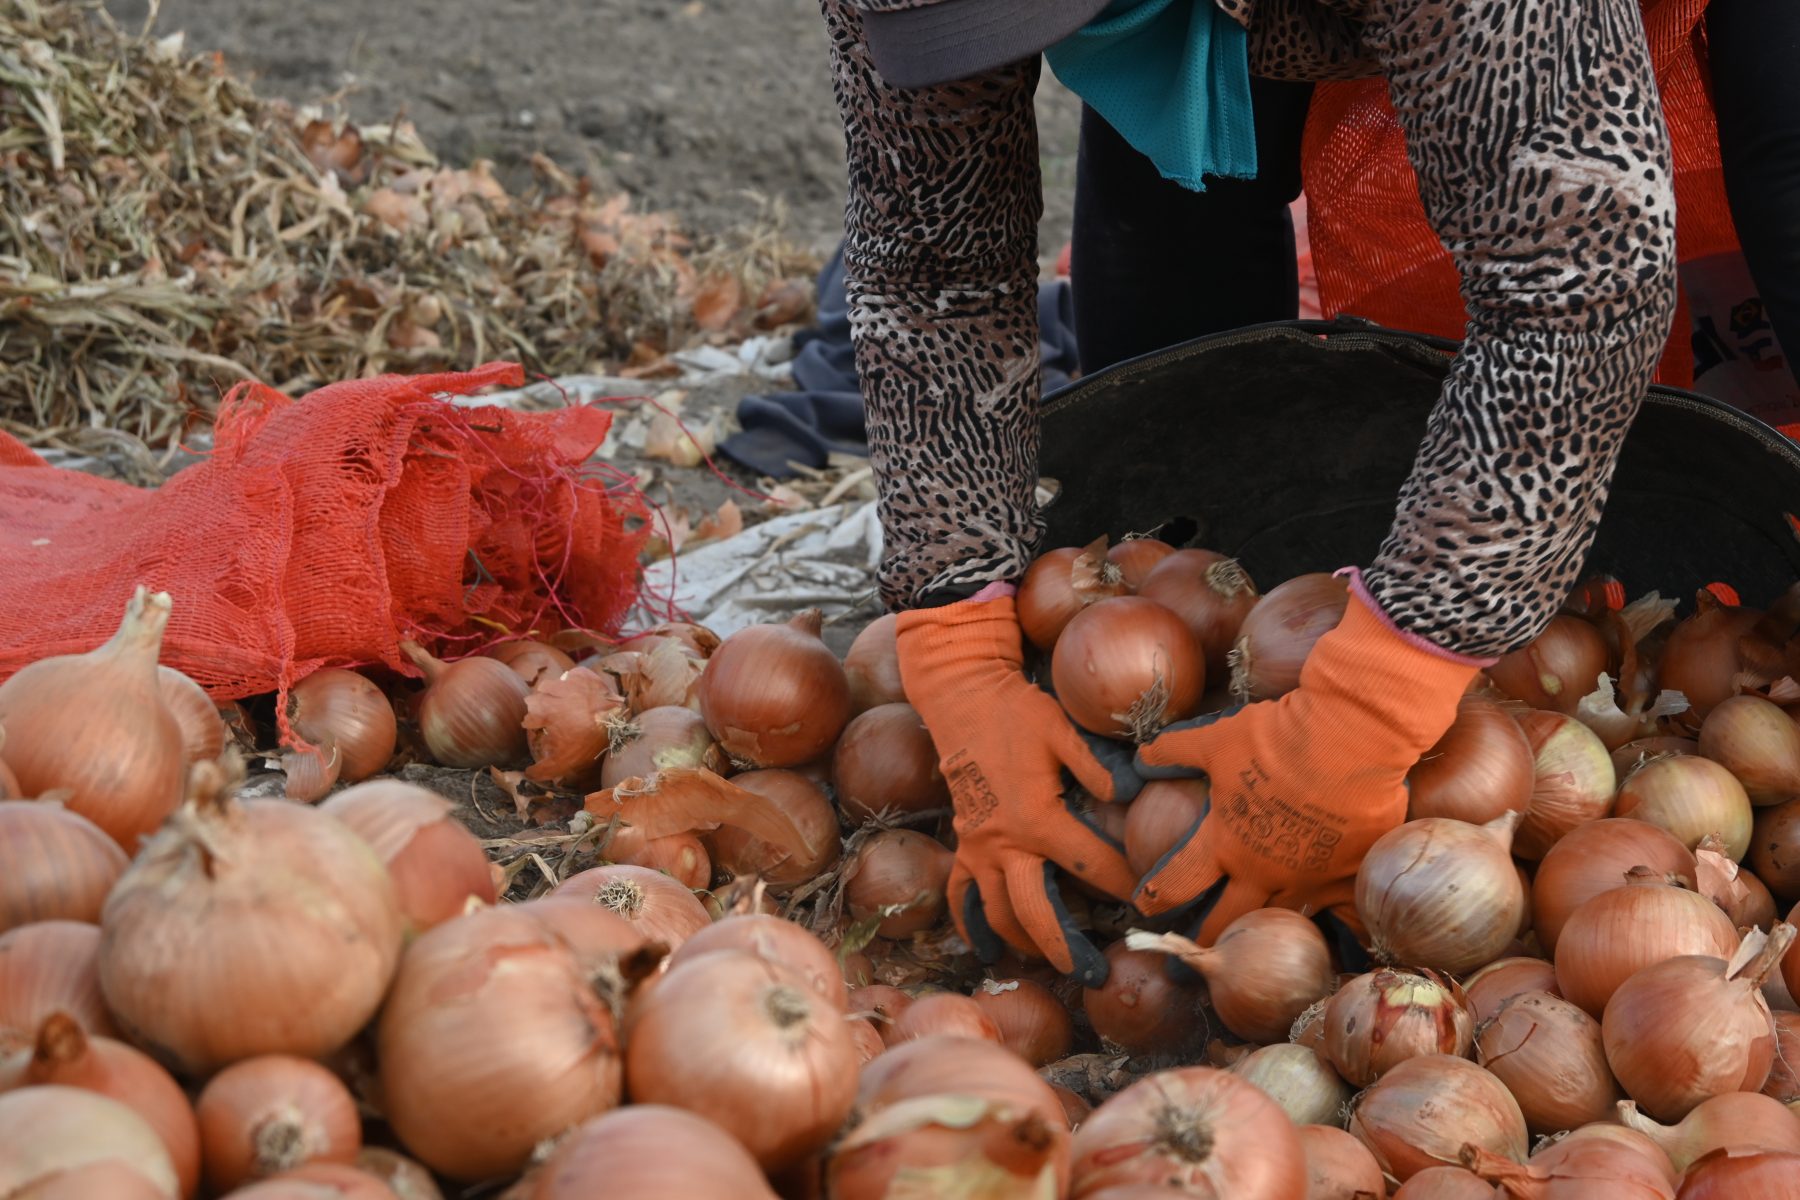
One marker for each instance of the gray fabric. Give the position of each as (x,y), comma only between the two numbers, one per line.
(938,41)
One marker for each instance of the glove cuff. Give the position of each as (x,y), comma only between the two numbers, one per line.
(1360,590)
(933,643)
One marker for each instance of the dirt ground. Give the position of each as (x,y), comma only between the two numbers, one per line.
(706,107)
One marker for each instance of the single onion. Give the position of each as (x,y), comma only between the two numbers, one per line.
(49,967)
(944,1013)
(275,904)
(1136,558)
(696,640)
(866,1039)
(54,864)
(317,1181)
(1441,894)
(47,1130)
(1573,781)
(340,708)
(872,666)
(680,856)
(1379,1020)
(666,677)
(883,1005)
(1555,670)
(1338,1167)
(1211,594)
(264,1116)
(1194,1128)
(1727,1176)
(898,877)
(571,720)
(202,728)
(658,907)
(311,773)
(1488,989)
(1060,584)
(1690,797)
(436,864)
(1139,1009)
(886,764)
(1031,1021)
(407,1179)
(1606,1131)
(1731,1119)
(1549,1054)
(1758,743)
(1126,667)
(1480,768)
(1783,1082)
(773,940)
(1425,1110)
(1075,1106)
(1577,1170)
(647,1152)
(110,1178)
(1775,848)
(1446,1183)
(1165,811)
(1264,970)
(531,661)
(774,695)
(656,740)
(738,852)
(94,727)
(1594,858)
(748,1045)
(1738,892)
(1701,659)
(468,1103)
(472,712)
(1689,1028)
(1618,933)
(1298,1081)
(1279,633)
(1633,755)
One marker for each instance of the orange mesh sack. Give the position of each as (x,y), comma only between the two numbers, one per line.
(324,530)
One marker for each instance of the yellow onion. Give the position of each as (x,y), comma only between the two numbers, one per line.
(658,907)
(1279,633)
(897,877)
(1703,659)
(943,1013)
(1618,933)
(1775,848)
(1136,558)
(1447,1183)
(1031,1021)
(1424,1111)
(1488,989)
(311,773)
(49,967)
(318,1181)
(202,728)
(1758,743)
(882,1004)
(658,739)
(1196,1128)
(470,1102)
(696,640)
(1728,1176)
(1441,894)
(274,904)
(774,695)
(772,940)
(1338,1167)
(1573,781)
(1783,1082)
(1632,755)
(435,863)
(1379,1020)
(531,661)
(1481,768)
(472,712)
(1060,584)
(736,851)
(648,1152)
(54,864)
(1728,1120)
(1576,1170)
(1165,811)
(680,856)
(872,666)
(339,708)
(1548,1053)
(1595,858)
(1555,670)
(403,1177)
(1298,1081)
(1606,1131)
(1211,594)
(265,1116)
(1075,1106)
(1690,797)
(1139,1009)
(1738,892)
(49,1129)
(1126,667)
(110,1178)
(570,722)
(94,727)
(886,764)
(1264,970)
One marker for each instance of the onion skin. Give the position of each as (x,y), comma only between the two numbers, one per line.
(1338,1167)
(1211,594)
(946,1014)
(1632,755)
(659,738)
(1060,584)
(344,709)
(318,1181)
(1549,1054)
(1618,933)
(1690,797)
(872,666)
(54,864)
(1165,811)
(1481,768)
(436,864)
(1727,1176)
(405,1178)
(45,968)
(774,696)
(1775,849)
(886,763)
(1031,1021)
(1783,1083)
(883,1005)
(680,856)
(1446,1183)
(1126,667)
(1555,670)
(1195,1128)
(472,713)
(1298,1081)
(1488,989)
(266,1116)
(1136,558)
(1758,743)
(1441,894)
(202,728)
(772,940)
(737,852)
(1279,633)
(1574,1170)
(51,1129)
(1140,1009)
(1728,1120)
(1264,970)
(899,876)
(1379,1020)
(1594,858)
(661,909)
(1574,781)
(111,1179)
(95,726)
(1422,1113)
(570,721)
(1701,658)
(531,661)
(648,1152)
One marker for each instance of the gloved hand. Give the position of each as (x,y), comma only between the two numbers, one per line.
(1003,744)
(1303,785)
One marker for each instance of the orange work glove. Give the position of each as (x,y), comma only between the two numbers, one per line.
(1003,744)
(1303,785)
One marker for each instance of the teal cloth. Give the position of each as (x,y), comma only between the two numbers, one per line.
(1173,77)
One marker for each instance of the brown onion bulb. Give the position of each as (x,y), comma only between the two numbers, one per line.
(1060,584)
(898,876)
(1783,1083)
(267,1115)
(54,864)
(1686,1029)
(405,1178)
(748,1045)
(648,1152)
(774,695)
(658,907)
(1632,755)
(872,666)
(1424,1111)
(1379,1020)
(49,967)
(1575,1169)
(866,1039)
(1338,1167)
(109,1178)
(1165,811)
(656,740)
(696,640)
(1447,1183)
(318,1181)
(274,904)
(1555,670)
(202,728)
(772,940)
(943,1013)
(1758,743)
(1480,768)
(1775,849)
(1031,1021)
(886,764)
(531,661)
(1726,1176)
(1264,970)
(340,708)
(1140,1009)
(311,774)
(1618,933)
(1196,1128)
(49,1130)
(1298,1081)
(94,726)
(735,851)
(680,856)
(1690,797)
(1212,595)
(472,712)
(1075,1106)
(883,1005)
(1573,781)
(1126,667)
(666,677)
(570,721)
(1488,990)
(1136,558)
(436,864)
(1441,894)
(1701,659)
(1595,858)
(467,1103)
(1737,892)
(1549,1054)
(1727,1120)
(1278,634)
(1631,1139)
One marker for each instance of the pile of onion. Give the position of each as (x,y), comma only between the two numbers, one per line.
(644,1152)
(472,712)
(1423,1112)
(1573,781)
(1441,894)
(1264,970)
(1481,767)
(1619,932)
(54,864)
(1278,634)
(1126,667)
(436,864)
(775,695)
(1060,584)
(1211,594)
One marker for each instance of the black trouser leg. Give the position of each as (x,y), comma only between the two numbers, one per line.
(1154,264)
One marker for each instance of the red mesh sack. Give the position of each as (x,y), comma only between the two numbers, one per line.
(1376,255)
(322,531)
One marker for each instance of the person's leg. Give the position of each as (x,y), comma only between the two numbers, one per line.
(1154,264)
(1754,46)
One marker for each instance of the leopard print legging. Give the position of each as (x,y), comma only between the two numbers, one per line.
(1543,163)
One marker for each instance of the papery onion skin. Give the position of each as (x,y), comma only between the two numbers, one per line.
(111,1179)
(348,711)
(436,864)
(1446,1183)
(1136,558)
(1783,1083)
(1758,743)
(737,852)
(1140,1009)
(883,1005)
(1492,986)
(1727,1120)
(647,1152)
(49,967)
(472,712)
(1212,595)
(1441,894)
(1690,797)
(659,907)
(1031,1021)
(659,738)
(697,640)
(1279,633)
(1381,1019)
(408,1180)
(1594,858)
(1262,971)
(1126,667)
(773,940)
(898,876)
(50,1129)
(1632,755)
(54,864)
(1338,1167)
(1701,659)
(202,728)
(1775,849)
(569,725)
(1480,768)
(1298,1080)
(1059,584)
(1555,670)
(1577,1169)
(1549,1054)
(1743,1176)
(886,763)
(1613,936)
(872,666)
(1193,1127)
(1165,811)
(530,660)
(1422,1112)
(1574,781)
(264,1116)
(946,1014)
(774,696)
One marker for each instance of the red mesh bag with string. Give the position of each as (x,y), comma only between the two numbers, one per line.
(322,531)
(1376,255)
